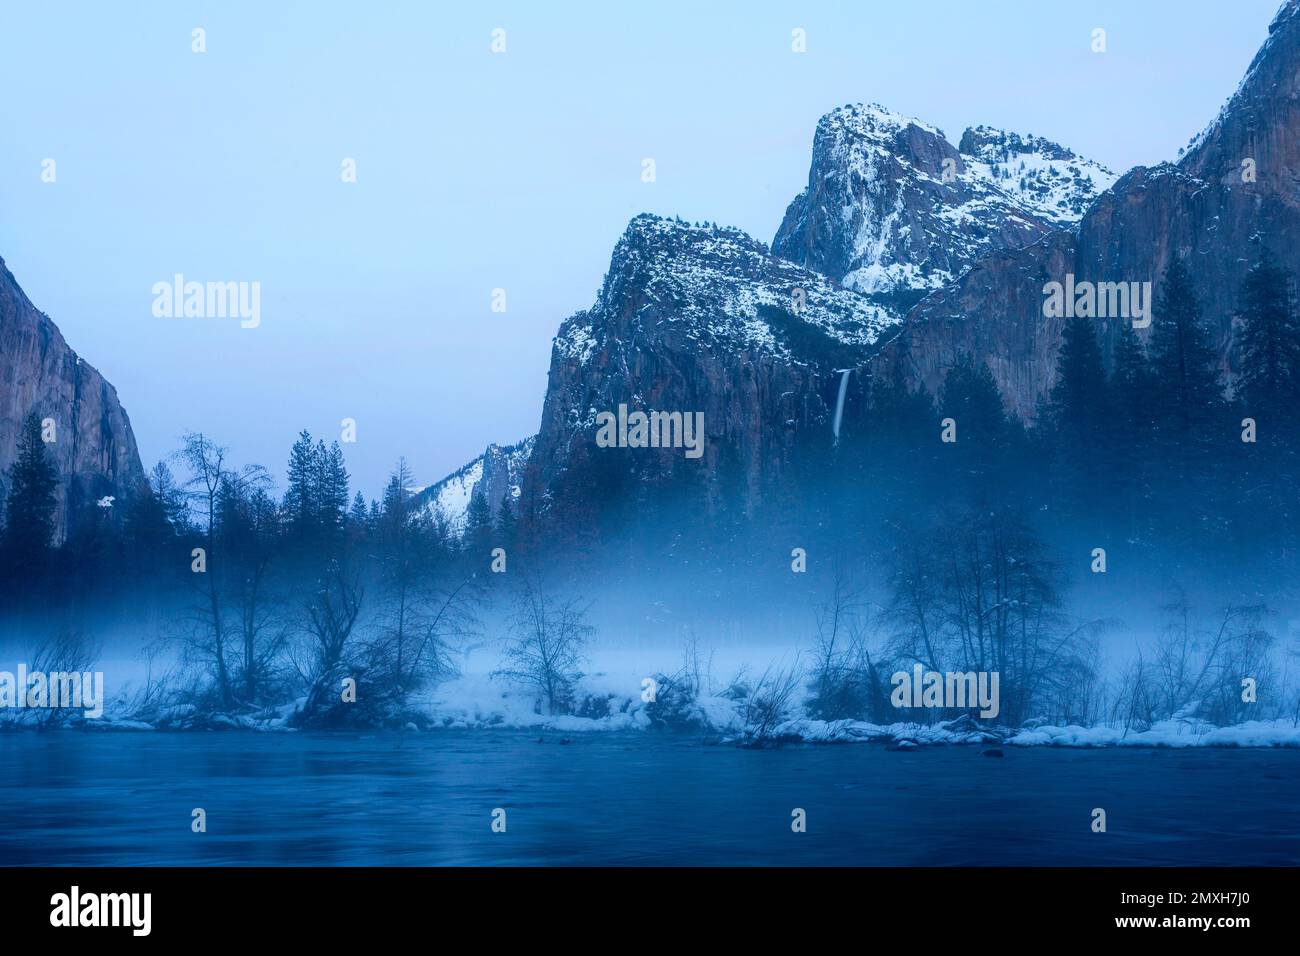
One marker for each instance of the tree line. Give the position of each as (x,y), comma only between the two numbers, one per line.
(1140,441)
(263,599)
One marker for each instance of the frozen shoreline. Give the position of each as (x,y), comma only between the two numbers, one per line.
(604,705)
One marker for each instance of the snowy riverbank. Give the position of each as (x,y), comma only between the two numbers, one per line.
(604,704)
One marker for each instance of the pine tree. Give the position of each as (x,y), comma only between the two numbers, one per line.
(898,449)
(336,487)
(1190,450)
(1077,408)
(1268,391)
(506,521)
(329,489)
(1269,383)
(358,516)
(1130,383)
(971,397)
(153,520)
(900,416)
(478,526)
(1128,447)
(1187,391)
(979,459)
(397,495)
(29,509)
(299,500)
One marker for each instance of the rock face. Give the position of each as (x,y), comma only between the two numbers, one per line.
(894,211)
(696,319)
(497,473)
(908,252)
(94,450)
(706,319)
(1235,190)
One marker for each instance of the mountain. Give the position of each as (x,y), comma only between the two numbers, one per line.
(894,211)
(496,473)
(909,251)
(692,319)
(702,318)
(94,449)
(1234,191)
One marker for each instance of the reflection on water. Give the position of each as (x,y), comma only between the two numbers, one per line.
(427,799)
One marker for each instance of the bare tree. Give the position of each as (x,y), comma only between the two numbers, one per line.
(845,681)
(977,593)
(423,615)
(332,614)
(1200,671)
(66,651)
(211,477)
(1133,705)
(549,636)
(913,612)
(249,521)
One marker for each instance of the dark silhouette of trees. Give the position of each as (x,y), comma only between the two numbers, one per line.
(29,507)
(1187,397)
(1078,412)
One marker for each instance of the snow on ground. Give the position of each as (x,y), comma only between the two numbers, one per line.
(1165,733)
(610,698)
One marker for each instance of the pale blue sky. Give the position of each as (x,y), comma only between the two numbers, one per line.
(478,171)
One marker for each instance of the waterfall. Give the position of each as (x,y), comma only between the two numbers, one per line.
(839,403)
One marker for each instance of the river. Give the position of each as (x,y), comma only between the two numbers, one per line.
(414,799)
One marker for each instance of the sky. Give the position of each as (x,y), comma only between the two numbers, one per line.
(478,170)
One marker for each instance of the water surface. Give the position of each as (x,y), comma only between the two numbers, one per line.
(628,798)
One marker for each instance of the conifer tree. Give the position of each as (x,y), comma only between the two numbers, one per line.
(396,502)
(1267,391)
(1128,448)
(299,500)
(358,515)
(29,508)
(1269,382)
(1077,407)
(506,521)
(1130,385)
(329,489)
(970,397)
(478,526)
(154,519)
(1187,393)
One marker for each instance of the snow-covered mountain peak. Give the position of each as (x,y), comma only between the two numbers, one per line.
(714,285)
(1049,180)
(894,210)
(871,122)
